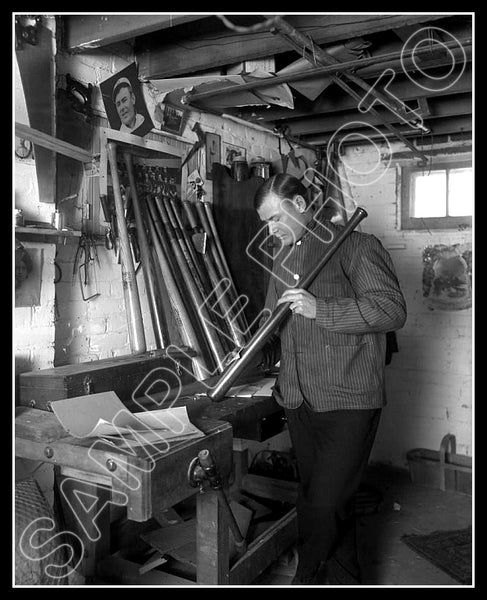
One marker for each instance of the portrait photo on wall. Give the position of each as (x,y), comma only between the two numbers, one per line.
(170,117)
(28,276)
(125,103)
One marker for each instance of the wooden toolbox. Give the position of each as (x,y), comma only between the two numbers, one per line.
(151,372)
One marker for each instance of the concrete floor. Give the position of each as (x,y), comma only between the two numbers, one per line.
(406,509)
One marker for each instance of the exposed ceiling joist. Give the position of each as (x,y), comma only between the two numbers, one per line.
(208,51)
(451,126)
(312,73)
(333,100)
(87,32)
(440,107)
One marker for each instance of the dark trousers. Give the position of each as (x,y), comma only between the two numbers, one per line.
(332,450)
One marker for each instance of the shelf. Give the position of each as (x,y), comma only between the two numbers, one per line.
(46,235)
(46,231)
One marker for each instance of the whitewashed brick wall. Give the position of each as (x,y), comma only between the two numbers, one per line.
(97,329)
(429,381)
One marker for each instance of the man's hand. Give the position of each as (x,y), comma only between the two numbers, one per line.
(302,302)
(271,353)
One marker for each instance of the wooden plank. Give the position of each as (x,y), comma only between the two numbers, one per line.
(444,126)
(170,538)
(124,572)
(38,426)
(87,32)
(404,89)
(440,107)
(37,67)
(48,141)
(177,58)
(272,489)
(265,550)
(73,453)
(212,542)
(91,522)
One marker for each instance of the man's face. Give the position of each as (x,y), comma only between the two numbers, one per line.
(125,103)
(286,219)
(21,272)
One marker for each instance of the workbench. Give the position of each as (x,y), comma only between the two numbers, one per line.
(147,485)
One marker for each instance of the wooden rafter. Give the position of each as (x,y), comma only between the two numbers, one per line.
(202,52)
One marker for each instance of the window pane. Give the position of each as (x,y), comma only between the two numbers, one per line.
(429,199)
(460,192)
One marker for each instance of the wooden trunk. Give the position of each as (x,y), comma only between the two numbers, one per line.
(128,376)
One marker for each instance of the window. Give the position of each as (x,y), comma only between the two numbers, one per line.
(437,198)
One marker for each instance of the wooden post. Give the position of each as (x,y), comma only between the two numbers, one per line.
(212,540)
(91,523)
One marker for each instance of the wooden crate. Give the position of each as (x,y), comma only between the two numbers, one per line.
(440,468)
(124,375)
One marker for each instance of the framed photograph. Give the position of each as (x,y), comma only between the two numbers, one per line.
(213,152)
(230,151)
(170,118)
(125,103)
(28,276)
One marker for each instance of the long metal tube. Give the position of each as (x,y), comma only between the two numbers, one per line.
(194,293)
(129,281)
(226,307)
(355,64)
(159,324)
(280,313)
(201,368)
(208,223)
(314,54)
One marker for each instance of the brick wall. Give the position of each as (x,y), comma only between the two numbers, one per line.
(429,381)
(97,329)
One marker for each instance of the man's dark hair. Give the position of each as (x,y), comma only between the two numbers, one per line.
(284,186)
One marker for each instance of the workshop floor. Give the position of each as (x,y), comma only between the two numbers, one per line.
(406,508)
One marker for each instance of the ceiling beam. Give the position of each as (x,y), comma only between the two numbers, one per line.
(316,72)
(453,125)
(88,32)
(439,107)
(212,50)
(333,100)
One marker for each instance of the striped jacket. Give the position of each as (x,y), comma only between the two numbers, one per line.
(336,361)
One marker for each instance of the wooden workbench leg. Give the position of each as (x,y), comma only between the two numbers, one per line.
(212,540)
(86,512)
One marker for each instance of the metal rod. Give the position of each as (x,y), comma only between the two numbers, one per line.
(209,226)
(316,54)
(229,311)
(161,332)
(201,368)
(193,291)
(310,73)
(280,313)
(129,281)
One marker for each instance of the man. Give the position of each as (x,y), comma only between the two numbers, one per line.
(124,99)
(331,376)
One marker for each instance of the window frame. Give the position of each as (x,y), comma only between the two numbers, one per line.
(448,222)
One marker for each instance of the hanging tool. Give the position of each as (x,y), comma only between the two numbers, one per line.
(86,255)
(203,469)
(200,143)
(129,281)
(234,369)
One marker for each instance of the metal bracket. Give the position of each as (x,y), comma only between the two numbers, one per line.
(79,95)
